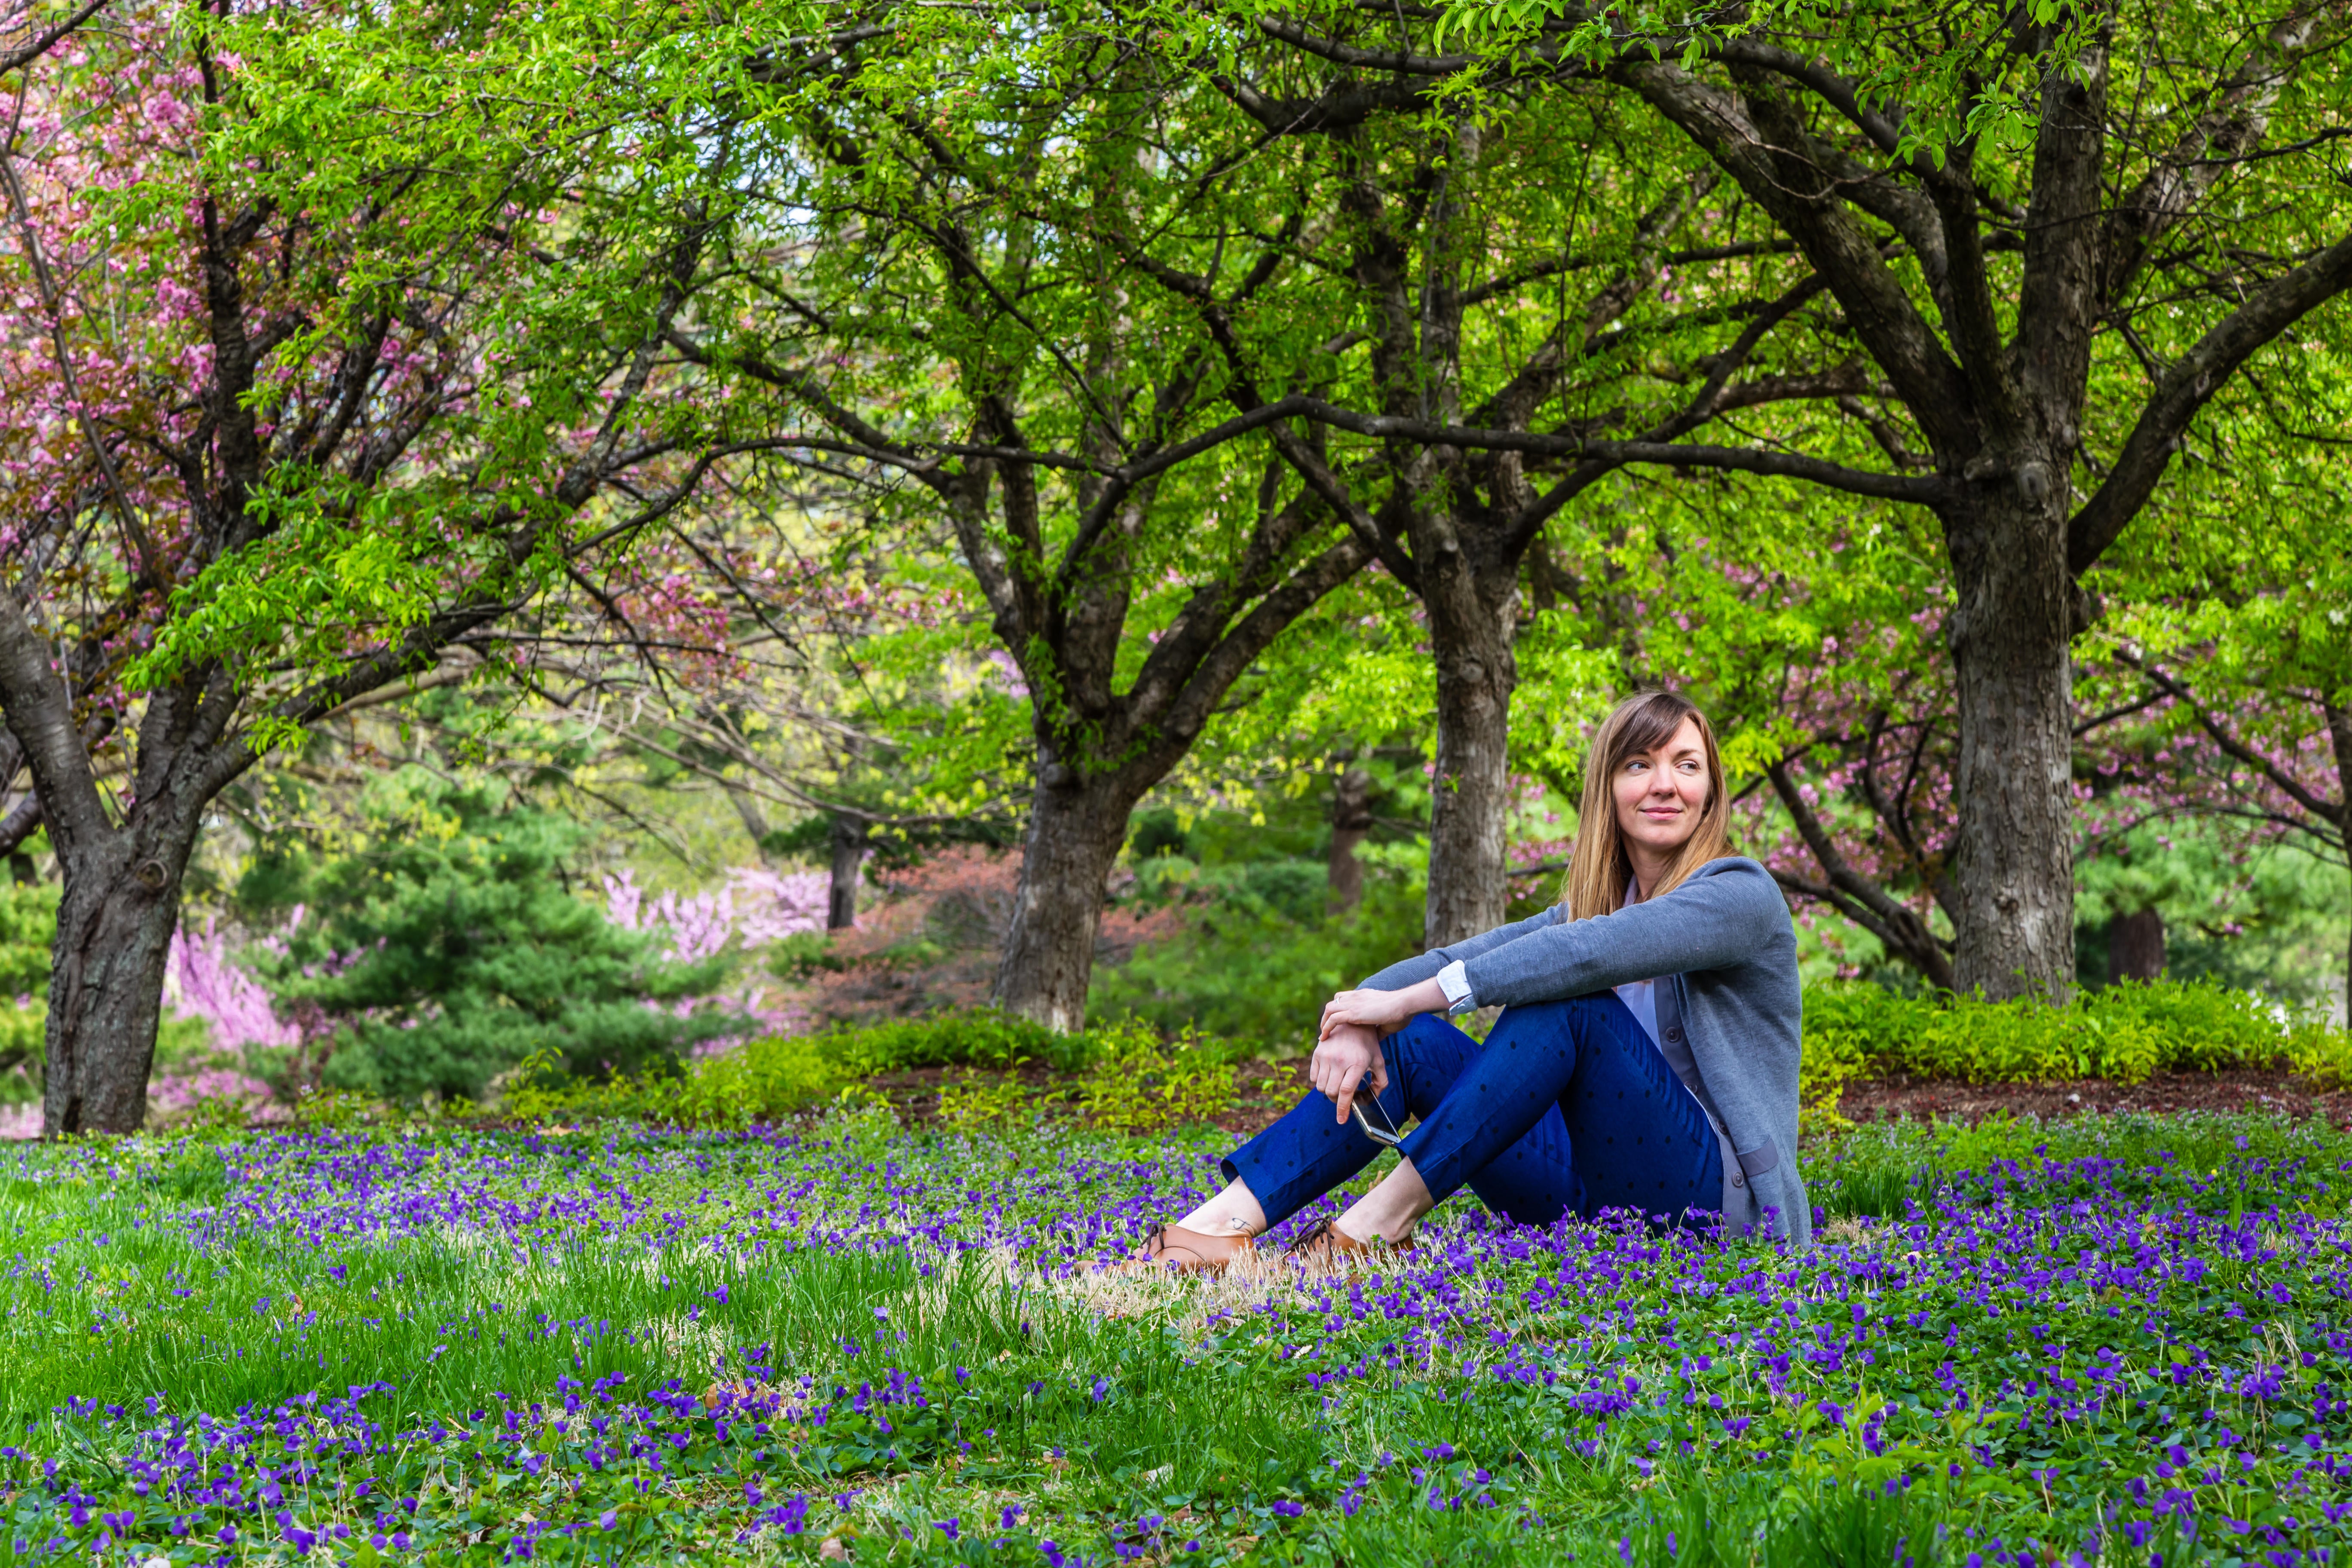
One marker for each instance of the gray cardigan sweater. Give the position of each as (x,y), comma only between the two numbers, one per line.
(1729,1009)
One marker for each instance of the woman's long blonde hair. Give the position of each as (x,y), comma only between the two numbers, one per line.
(1598,871)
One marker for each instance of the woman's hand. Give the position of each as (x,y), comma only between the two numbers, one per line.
(1383,1011)
(1342,1059)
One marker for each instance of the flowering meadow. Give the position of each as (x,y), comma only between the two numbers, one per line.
(2111,1341)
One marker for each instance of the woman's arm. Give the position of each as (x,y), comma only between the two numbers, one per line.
(1423,966)
(1718,918)
(1388,1000)
(1723,916)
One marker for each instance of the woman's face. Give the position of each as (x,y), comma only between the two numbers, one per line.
(1660,792)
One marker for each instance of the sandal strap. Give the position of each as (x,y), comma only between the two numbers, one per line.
(1184,1249)
(1325,1238)
(1325,1235)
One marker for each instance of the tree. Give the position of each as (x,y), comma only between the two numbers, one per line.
(940,299)
(448,949)
(1814,635)
(292,418)
(2231,625)
(1534,268)
(2060,236)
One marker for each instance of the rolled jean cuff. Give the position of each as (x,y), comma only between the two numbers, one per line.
(1310,1151)
(1440,1168)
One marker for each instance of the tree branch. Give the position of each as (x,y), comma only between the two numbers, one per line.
(23,820)
(25,53)
(1917,489)
(2184,390)
(2286,783)
(1760,142)
(1899,928)
(39,713)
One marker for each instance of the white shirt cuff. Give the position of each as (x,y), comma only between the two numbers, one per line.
(1455,981)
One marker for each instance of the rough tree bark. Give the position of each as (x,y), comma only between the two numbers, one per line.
(2011,635)
(849,843)
(1471,635)
(2136,946)
(1351,823)
(1075,831)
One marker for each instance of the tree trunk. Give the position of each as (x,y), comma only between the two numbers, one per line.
(755,823)
(2010,631)
(1471,637)
(1076,830)
(849,860)
(2136,946)
(1351,819)
(114,936)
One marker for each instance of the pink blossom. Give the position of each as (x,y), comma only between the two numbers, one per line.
(201,981)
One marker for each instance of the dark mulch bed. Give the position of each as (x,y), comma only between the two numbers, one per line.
(1267,1089)
(1924,1099)
(1886,1099)
(1264,1091)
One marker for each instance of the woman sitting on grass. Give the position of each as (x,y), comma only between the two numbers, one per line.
(1647,1057)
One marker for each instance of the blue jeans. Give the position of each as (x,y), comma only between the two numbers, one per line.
(1567,1109)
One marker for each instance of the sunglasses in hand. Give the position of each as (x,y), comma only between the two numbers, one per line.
(1371,1119)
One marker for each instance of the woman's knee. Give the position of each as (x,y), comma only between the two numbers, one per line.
(1424,1059)
(1430,1040)
(1571,1016)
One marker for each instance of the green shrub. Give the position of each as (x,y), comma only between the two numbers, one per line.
(973,1101)
(1131,1082)
(1139,1083)
(1257,957)
(968,1036)
(763,1079)
(450,947)
(2122,1033)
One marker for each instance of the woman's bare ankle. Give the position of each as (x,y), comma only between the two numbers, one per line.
(1234,1212)
(1360,1222)
(1392,1211)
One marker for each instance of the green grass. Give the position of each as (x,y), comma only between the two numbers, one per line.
(1917,1386)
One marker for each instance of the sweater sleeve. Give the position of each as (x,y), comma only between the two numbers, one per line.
(1721,917)
(1423,966)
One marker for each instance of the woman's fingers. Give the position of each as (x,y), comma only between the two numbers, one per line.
(1339,1012)
(1326,1074)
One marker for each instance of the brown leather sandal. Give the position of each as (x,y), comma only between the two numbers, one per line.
(1325,1249)
(1182,1251)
